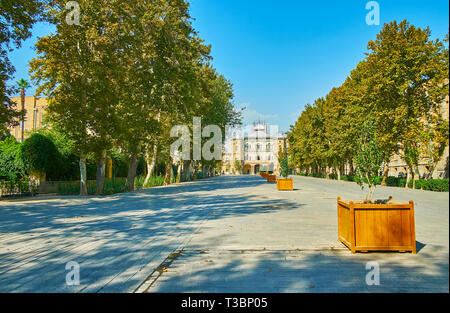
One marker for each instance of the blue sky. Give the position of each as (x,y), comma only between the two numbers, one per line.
(281,55)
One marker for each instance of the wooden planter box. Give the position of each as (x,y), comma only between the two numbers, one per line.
(272,178)
(377,227)
(285,184)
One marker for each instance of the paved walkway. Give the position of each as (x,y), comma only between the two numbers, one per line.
(225,234)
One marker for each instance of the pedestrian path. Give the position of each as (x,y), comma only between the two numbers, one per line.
(224,234)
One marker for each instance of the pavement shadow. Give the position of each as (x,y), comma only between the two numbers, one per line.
(304,272)
(112,238)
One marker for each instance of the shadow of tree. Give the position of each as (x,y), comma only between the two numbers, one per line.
(119,241)
(114,238)
(303,272)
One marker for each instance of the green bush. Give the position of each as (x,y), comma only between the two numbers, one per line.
(154,181)
(11,165)
(284,167)
(39,153)
(441,185)
(111,186)
(348,178)
(432,184)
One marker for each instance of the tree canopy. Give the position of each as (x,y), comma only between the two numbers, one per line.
(400,85)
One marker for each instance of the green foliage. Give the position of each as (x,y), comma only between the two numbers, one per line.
(39,153)
(67,167)
(16,21)
(238,166)
(111,186)
(11,165)
(109,91)
(17,186)
(441,185)
(13,178)
(120,164)
(284,167)
(400,85)
(368,159)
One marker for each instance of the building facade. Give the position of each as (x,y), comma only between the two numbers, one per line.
(35,108)
(256,151)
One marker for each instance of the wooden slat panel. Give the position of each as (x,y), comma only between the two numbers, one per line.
(383,228)
(406,228)
(361,227)
(395,228)
(371,228)
(377,228)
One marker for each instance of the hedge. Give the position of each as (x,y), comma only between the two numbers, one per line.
(441,185)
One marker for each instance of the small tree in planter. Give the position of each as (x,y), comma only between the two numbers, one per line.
(285,183)
(374,225)
(368,160)
(284,167)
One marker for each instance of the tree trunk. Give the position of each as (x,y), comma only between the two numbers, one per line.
(178,179)
(429,174)
(131,172)
(385,173)
(408,178)
(187,170)
(22,98)
(338,170)
(352,168)
(416,175)
(83,176)
(168,171)
(100,177)
(151,161)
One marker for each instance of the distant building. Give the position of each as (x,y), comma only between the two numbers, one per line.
(256,151)
(35,108)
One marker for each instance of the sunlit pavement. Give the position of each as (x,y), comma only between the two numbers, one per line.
(224,234)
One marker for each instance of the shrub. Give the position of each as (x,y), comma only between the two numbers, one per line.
(433,184)
(284,167)
(39,153)
(348,178)
(11,165)
(111,186)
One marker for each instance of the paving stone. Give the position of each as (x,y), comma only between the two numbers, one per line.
(235,234)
